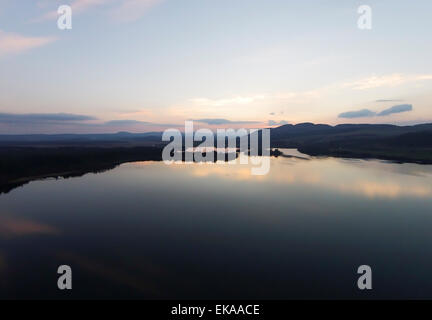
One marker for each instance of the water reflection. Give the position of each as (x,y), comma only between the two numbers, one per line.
(2,264)
(11,226)
(150,230)
(145,279)
(368,178)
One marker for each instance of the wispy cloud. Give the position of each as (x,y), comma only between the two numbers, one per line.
(134,124)
(78,6)
(396,109)
(11,123)
(391,80)
(135,114)
(277,123)
(239,100)
(12,43)
(123,10)
(131,10)
(365,113)
(388,100)
(124,122)
(83,5)
(357,114)
(42,117)
(224,121)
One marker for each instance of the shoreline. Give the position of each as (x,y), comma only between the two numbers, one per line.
(98,162)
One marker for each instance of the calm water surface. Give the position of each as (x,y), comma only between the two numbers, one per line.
(148,230)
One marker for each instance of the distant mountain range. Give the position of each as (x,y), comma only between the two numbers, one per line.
(24,158)
(382,141)
(107,139)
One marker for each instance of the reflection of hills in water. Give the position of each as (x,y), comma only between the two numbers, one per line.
(197,223)
(328,172)
(291,153)
(366,178)
(8,186)
(98,161)
(20,165)
(31,157)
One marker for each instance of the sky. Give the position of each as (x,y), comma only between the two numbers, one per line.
(148,65)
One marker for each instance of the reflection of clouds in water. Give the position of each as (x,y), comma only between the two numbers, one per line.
(367,178)
(373,189)
(139,164)
(2,263)
(332,174)
(233,172)
(4,279)
(144,277)
(412,169)
(279,173)
(12,226)
(110,273)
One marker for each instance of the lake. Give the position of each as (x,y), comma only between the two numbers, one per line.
(214,231)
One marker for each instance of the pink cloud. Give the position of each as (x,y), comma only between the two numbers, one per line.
(78,6)
(82,5)
(11,43)
(131,10)
(126,11)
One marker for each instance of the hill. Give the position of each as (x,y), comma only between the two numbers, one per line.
(382,141)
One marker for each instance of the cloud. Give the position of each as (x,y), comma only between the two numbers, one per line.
(396,109)
(391,80)
(365,113)
(32,123)
(126,11)
(223,121)
(277,123)
(12,43)
(124,122)
(239,100)
(357,114)
(78,6)
(388,100)
(132,10)
(376,82)
(42,117)
(136,113)
(135,123)
(83,5)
